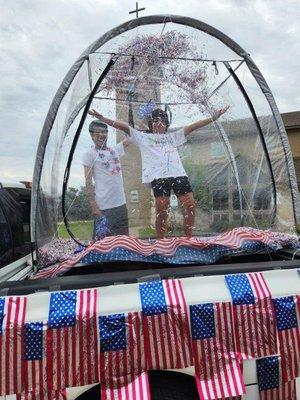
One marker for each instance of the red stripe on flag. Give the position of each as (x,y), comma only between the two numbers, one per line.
(168,247)
(255,328)
(167,335)
(286,391)
(218,374)
(289,345)
(123,373)
(34,371)
(42,395)
(11,347)
(72,352)
(80,314)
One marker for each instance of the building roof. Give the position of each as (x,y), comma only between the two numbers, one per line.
(291,120)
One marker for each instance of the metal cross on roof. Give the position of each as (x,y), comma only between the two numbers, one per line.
(137,9)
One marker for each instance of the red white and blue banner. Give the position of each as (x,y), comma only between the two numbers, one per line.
(253,315)
(218,370)
(80,340)
(174,250)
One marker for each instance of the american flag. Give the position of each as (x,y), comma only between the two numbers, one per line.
(123,373)
(34,361)
(12,316)
(72,344)
(166,326)
(172,250)
(289,336)
(253,315)
(42,395)
(217,371)
(270,383)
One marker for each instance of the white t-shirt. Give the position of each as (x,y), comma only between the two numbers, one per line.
(160,158)
(107,174)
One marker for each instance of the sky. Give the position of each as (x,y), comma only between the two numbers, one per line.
(41,39)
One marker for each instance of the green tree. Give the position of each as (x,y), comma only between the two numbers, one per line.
(77,204)
(197,177)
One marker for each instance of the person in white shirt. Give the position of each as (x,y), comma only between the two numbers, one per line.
(102,164)
(161,164)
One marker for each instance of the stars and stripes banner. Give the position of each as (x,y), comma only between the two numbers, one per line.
(253,315)
(72,345)
(175,250)
(217,370)
(12,316)
(79,344)
(34,361)
(166,326)
(270,382)
(123,373)
(43,395)
(288,327)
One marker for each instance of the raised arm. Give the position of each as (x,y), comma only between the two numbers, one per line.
(88,173)
(122,126)
(200,124)
(126,142)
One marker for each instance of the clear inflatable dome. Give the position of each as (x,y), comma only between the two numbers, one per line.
(188,140)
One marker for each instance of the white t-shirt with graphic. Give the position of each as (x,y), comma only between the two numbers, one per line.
(160,158)
(107,175)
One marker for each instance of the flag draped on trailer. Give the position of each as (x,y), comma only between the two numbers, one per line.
(253,315)
(79,343)
(72,345)
(289,336)
(175,250)
(123,373)
(217,369)
(34,362)
(270,382)
(166,326)
(12,316)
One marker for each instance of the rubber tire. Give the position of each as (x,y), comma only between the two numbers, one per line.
(169,385)
(164,385)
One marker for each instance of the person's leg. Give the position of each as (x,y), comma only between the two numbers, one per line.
(121,221)
(117,220)
(183,191)
(162,191)
(161,205)
(188,211)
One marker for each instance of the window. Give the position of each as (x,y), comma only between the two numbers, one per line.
(6,243)
(220,200)
(14,224)
(262,199)
(244,169)
(236,199)
(134,196)
(221,179)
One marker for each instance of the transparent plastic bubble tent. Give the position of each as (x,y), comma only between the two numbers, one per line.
(240,166)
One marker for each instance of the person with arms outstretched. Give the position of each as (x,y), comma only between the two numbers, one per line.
(161,164)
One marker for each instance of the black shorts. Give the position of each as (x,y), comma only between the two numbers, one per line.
(163,186)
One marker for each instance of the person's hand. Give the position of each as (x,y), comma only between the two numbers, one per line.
(101,228)
(95,114)
(217,114)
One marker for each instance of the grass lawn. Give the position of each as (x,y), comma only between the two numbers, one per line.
(81,230)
